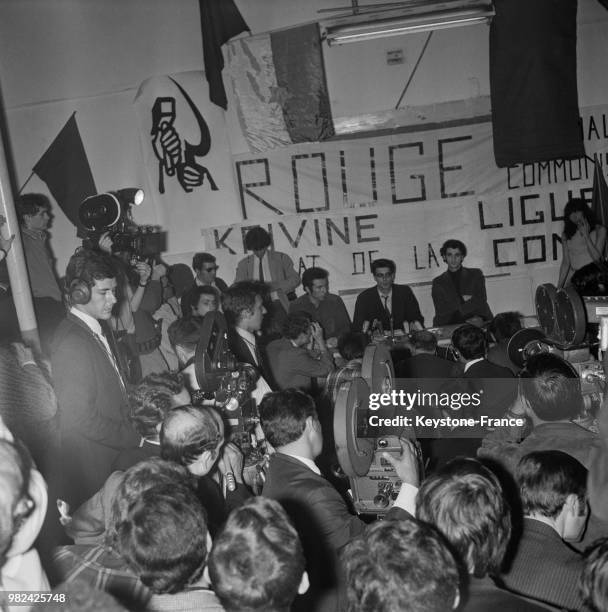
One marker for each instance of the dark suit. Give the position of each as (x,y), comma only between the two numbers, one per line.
(497,384)
(241,351)
(404,307)
(485,596)
(545,567)
(447,300)
(322,520)
(92,407)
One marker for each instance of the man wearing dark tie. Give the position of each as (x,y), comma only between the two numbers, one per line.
(393,306)
(89,381)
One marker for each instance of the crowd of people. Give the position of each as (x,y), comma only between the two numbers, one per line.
(153,507)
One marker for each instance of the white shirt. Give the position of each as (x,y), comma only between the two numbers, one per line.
(389,301)
(406,500)
(266,269)
(261,387)
(468,364)
(93,324)
(307,462)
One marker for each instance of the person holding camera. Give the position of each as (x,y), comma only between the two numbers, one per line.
(293,362)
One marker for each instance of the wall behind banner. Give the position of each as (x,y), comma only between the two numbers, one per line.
(91,57)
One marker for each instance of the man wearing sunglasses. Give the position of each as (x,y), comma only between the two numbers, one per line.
(393,306)
(205,268)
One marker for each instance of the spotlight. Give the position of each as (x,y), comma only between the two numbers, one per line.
(130,196)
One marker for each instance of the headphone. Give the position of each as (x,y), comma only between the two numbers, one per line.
(79,292)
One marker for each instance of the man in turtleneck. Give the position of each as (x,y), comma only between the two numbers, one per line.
(459,294)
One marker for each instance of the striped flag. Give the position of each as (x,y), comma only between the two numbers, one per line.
(279,87)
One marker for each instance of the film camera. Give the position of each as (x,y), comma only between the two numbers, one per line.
(566,322)
(229,384)
(111,212)
(374,483)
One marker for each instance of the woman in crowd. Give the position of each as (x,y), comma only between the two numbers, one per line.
(583,243)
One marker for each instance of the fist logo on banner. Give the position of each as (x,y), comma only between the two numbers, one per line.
(175,158)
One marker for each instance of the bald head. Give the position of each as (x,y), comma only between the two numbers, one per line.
(187,432)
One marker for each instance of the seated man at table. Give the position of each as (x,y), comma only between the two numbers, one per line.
(393,306)
(459,294)
(292,362)
(326,308)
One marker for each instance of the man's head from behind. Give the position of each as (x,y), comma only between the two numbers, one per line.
(594,578)
(400,565)
(205,267)
(424,341)
(289,419)
(90,283)
(257,561)
(137,479)
(243,305)
(465,502)
(192,437)
(550,388)
(505,324)
(34,211)
(164,538)
(152,399)
(184,335)
(553,487)
(470,342)
(15,465)
(351,345)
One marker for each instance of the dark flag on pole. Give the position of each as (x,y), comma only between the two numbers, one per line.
(599,200)
(65,169)
(220,21)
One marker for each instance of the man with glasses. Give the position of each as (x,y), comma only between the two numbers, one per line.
(205,268)
(393,306)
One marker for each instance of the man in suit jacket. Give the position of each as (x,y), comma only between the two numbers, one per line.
(496,383)
(89,383)
(320,514)
(465,501)
(554,498)
(459,294)
(271,267)
(205,268)
(244,309)
(391,305)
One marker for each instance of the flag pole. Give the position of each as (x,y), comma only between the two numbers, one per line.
(29,178)
(15,260)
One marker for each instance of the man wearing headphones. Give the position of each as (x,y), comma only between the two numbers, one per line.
(89,381)
(459,294)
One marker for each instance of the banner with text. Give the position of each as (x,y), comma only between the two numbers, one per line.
(341,204)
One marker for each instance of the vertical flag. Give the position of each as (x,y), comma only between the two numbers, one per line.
(280,88)
(220,21)
(599,200)
(533,81)
(65,169)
